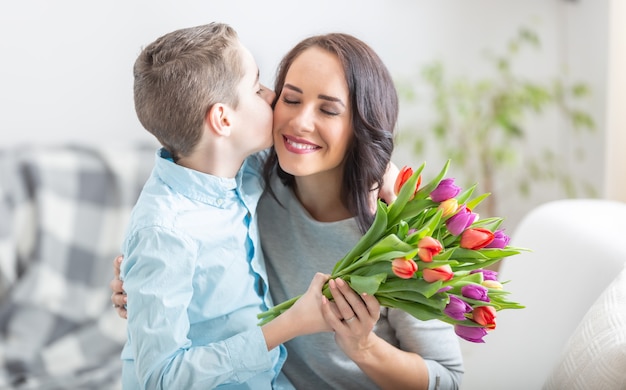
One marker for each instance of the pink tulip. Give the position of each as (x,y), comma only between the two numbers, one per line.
(487,273)
(443,273)
(427,248)
(485,315)
(476,238)
(446,189)
(500,240)
(403,268)
(457,308)
(475,291)
(460,221)
(474,334)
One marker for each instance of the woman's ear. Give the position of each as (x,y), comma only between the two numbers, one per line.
(218,119)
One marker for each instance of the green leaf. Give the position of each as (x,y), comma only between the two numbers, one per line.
(394,285)
(372,235)
(367,284)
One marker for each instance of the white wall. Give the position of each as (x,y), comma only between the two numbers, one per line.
(616,116)
(65,73)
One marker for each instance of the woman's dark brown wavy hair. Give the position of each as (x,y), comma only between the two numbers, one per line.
(374,102)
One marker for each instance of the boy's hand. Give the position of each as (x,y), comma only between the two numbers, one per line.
(118,297)
(307,311)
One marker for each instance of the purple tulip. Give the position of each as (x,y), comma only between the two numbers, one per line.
(445,190)
(444,289)
(474,334)
(500,240)
(460,221)
(487,274)
(457,308)
(475,291)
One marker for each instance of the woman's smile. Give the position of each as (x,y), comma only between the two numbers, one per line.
(298,145)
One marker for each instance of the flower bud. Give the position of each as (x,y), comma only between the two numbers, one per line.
(457,308)
(475,291)
(403,268)
(445,190)
(474,334)
(427,248)
(494,284)
(500,240)
(404,175)
(476,238)
(448,207)
(487,273)
(442,273)
(485,315)
(460,221)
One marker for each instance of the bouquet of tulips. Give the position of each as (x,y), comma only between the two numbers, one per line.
(426,254)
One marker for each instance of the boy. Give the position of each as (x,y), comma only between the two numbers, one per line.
(193,268)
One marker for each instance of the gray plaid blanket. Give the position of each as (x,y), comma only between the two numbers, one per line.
(63,211)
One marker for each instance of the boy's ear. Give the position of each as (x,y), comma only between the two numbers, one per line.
(218,119)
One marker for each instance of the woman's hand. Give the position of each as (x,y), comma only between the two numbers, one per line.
(386,192)
(118,297)
(352,317)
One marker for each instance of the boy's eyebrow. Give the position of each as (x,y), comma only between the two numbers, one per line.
(324,97)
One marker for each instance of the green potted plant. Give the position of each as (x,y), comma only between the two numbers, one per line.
(482,125)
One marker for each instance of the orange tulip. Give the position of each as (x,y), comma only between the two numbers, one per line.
(476,238)
(405,173)
(485,315)
(427,248)
(442,273)
(403,268)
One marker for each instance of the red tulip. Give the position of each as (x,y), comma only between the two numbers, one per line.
(485,315)
(404,175)
(427,248)
(403,268)
(476,238)
(442,273)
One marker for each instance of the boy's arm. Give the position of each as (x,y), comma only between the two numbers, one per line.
(303,318)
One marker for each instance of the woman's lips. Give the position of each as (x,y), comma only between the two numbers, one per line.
(300,146)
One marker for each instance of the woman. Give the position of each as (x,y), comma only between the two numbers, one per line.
(334,116)
(335,111)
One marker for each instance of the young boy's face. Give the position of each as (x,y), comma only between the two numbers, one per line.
(254,112)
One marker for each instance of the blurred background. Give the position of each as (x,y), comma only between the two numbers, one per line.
(66,77)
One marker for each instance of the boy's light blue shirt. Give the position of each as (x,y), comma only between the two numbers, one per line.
(195,277)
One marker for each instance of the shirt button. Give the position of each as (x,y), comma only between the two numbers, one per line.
(220,201)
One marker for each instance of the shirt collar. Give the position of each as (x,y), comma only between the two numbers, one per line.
(194,184)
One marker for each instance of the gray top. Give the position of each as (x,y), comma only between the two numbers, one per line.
(296,247)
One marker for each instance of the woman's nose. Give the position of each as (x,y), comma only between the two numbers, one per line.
(303,119)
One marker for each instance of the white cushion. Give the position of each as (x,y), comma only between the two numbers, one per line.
(595,355)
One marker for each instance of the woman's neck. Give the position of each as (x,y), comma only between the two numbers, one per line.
(321,197)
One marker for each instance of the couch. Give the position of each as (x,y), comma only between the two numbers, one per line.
(572,333)
(63,211)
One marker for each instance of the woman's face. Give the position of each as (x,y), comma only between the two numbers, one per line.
(312,116)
